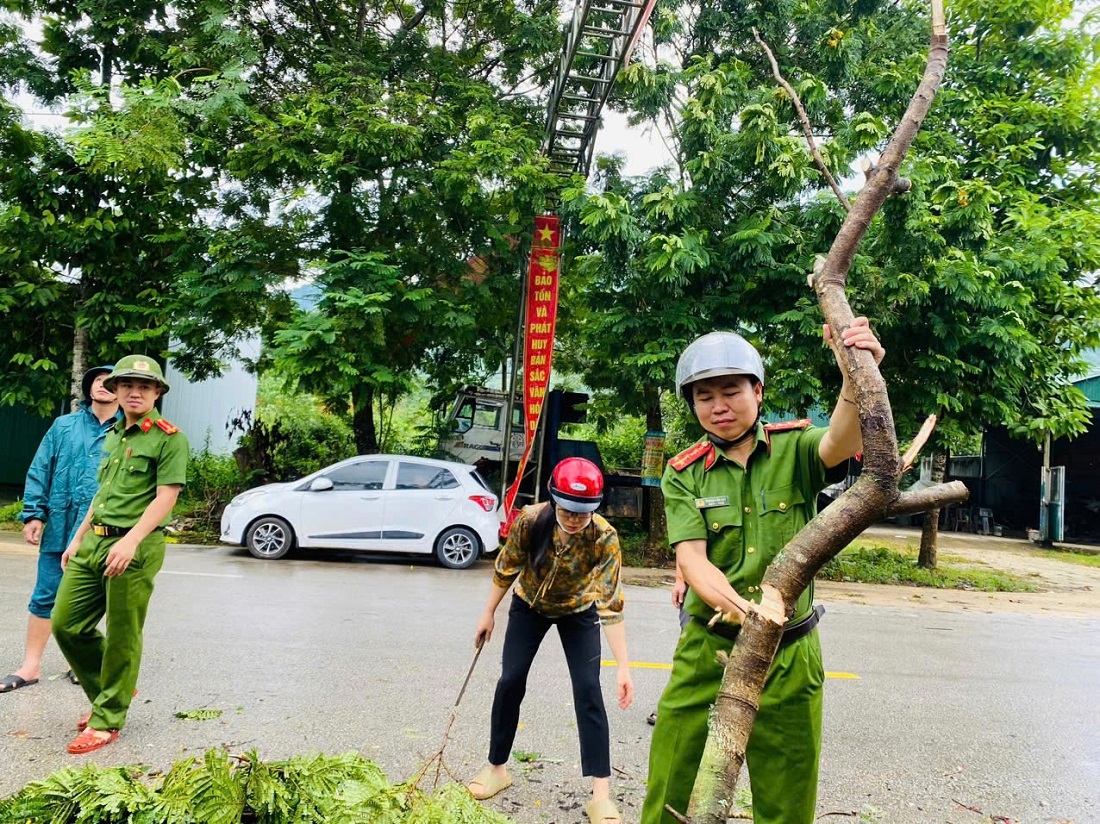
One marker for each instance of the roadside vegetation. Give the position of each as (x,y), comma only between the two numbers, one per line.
(866,563)
(1089,559)
(9,515)
(863,563)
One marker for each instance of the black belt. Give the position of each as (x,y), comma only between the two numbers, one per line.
(106,531)
(791,633)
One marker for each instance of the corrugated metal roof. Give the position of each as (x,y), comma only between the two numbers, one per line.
(1091,357)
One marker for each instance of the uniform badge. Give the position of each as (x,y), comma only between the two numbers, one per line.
(716,500)
(142,365)
(146,424)
(169,428)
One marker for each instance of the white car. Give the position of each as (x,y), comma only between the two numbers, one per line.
(383,503)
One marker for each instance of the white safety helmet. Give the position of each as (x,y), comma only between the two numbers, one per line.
(713,355)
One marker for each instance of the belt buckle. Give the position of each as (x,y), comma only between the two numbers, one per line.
(99,530)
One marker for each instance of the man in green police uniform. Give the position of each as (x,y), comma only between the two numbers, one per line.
(733,501)
(118,550)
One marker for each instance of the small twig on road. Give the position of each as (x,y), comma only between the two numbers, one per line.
(967,806)
(682,819)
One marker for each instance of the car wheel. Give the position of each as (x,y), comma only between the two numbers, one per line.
(457,548)
(269,538)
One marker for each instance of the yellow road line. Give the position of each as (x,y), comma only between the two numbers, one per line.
(850,676)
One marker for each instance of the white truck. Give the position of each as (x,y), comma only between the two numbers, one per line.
(476,424)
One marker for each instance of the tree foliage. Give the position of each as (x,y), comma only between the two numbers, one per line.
(979,282)
(224,789)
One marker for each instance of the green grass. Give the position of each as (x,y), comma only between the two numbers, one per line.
(871,564)
(1090,559)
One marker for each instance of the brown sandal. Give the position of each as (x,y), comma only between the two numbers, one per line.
(603,810)
(490,783)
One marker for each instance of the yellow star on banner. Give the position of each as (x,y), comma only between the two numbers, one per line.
(546,234)
(549,263)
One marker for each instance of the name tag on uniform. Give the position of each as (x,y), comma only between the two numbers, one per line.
(707,503)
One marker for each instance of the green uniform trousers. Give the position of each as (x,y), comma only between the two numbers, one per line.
(106,665)
(784,746)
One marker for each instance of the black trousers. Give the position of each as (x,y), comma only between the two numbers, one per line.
(580,639)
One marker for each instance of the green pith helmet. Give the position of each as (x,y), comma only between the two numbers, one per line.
(137,366)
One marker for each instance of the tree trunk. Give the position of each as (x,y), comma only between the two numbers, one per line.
(655,518)
(926,558)
(362,420)
(79,367)
(872,497)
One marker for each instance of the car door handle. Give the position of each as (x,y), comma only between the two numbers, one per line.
(370,497)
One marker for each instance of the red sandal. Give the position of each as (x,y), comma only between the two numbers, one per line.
(82,722)
(88,741)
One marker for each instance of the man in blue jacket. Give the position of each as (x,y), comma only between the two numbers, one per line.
(60,486)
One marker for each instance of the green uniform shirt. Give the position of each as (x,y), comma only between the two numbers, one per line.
(748,515)
(140,458)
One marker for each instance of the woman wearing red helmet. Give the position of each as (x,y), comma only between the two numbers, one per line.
(565,562)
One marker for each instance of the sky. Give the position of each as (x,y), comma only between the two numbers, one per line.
(643,147)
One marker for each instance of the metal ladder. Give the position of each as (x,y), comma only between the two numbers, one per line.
(597,46)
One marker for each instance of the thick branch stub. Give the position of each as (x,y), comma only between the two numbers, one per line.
(934,497)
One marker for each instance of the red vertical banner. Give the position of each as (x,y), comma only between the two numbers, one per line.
(538,335)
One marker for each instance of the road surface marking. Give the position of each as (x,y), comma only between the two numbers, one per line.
(851,676)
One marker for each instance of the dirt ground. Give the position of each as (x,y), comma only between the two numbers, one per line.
(1064,588)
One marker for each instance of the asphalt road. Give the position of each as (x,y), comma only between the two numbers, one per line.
(938,717)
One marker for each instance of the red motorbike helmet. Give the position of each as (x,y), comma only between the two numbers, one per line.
(576,485)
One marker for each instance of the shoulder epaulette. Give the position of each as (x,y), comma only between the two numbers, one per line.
(691,455)
(786,426)
(168,427)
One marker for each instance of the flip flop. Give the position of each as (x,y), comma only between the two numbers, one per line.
(10,683)
(491,784)
(651,719)
(603,810)
(88,741)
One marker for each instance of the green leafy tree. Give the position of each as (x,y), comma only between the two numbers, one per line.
(405,160)
(978,281)
(104,231)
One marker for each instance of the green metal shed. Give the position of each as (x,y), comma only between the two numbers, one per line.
(20,434)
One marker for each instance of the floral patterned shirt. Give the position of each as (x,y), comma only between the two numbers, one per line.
(582,570)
